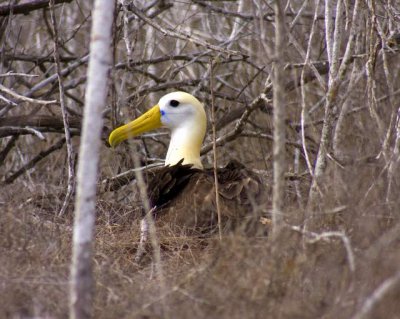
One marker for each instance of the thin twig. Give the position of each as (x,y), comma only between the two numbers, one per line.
(9,146)
(271,138)
(248,17)
(119,180)
(383,242)
(303,95)
(148,223)
(313,237)
(70,150)
(18,74)
(54,77)
(144,232)
(56,146)
(26,7)
(335,81)
(36,59)
(24,98)
(258,102)
(377,295)
(15,130)
(181,35)
(41,123)
(9,103)
(214,138)
(125,27)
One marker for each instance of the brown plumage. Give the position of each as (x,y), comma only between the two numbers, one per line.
(185,199)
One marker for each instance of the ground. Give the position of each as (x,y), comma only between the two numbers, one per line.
(300,274)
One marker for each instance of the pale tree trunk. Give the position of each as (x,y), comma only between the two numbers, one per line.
(337,72)
(279,166)
(81,290)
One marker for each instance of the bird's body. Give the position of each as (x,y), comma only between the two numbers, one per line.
(183,193)
(185,198)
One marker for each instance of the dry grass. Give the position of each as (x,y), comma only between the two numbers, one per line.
(240,277)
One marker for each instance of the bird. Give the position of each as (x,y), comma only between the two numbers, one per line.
(182,194)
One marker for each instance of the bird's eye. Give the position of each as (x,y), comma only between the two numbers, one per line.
(174,103)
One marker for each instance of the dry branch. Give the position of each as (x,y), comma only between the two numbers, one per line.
(312,237)
(271,138)
(279,119)
(65,115)
(42,123)
(181,35)
(14,130)
(17,74)
(25,7)
(56,146)
(9,146)
(36,59)
(119,180)
(303,94)
(53,78)
(257,103)
(81,289)
(377,295)
(24,98)
(199,57)
(9,103)
(148,227)
(335,80)
(235,114)
(214,138)
(248,17)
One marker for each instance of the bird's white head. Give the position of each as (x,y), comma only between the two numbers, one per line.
(184,115)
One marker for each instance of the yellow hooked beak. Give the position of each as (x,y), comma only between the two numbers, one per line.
(144,123)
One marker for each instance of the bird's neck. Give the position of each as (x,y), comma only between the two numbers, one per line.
(186,143)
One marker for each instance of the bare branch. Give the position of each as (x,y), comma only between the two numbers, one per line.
(70,150)
(331,98)
(266,17)
(303,94)
(35,58)
(54,77)
(18,74)
(325,236)
(10,144)
(214,139)
(81,289)
(26,7)
(279,117)
(56,146)
(377,295)
(148,226)
(41,123)
(258,102)
(181,35)
(24,98)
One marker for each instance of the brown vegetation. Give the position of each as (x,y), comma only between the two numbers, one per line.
(337,255)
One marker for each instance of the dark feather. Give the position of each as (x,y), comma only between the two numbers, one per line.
(185,197)
(166,183)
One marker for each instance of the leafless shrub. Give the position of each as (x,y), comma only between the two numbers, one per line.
(337,254)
